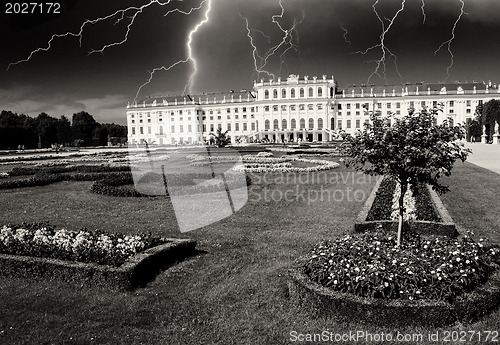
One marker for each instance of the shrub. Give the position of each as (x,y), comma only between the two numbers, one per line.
(433,268)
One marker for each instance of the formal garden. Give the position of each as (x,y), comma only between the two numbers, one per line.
(323,247)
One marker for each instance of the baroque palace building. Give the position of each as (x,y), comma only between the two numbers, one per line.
(295,109)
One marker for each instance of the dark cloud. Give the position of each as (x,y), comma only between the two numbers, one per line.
(224,53)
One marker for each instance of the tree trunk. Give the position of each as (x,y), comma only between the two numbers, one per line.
(403,188)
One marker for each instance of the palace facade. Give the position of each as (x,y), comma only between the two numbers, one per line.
(295,109)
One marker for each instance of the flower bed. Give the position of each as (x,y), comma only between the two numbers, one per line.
(42,240)
(264,164)
(432,281)
(104,260)
(429,216)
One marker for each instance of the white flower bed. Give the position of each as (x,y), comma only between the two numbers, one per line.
(265,154)
(264,164)
(408,204)
(81,243)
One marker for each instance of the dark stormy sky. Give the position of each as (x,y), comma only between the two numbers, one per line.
(65,79)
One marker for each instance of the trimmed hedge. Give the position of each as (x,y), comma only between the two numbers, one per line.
(135,272)
(179,184)
(342,307)
(43,179)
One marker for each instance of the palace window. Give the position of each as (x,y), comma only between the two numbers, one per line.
(266,94)
(301,92)
(311,123)
(320,123)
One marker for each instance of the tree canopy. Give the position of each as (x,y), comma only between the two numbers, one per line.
(16,130)
(490,114)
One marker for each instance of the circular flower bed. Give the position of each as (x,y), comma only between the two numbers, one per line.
(42,240)
(429,282)
(370,265)
(264,163)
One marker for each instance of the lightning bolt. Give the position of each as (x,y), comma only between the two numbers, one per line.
(345,35)
(121,13)
(423,11)
(131,13)
(190,49)
(381,67)
(255,52)
(287,42)
(152,73)
(448,42)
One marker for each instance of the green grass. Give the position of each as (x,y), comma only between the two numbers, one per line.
(234,292)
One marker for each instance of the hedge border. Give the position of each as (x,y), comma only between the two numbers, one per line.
(137,271)
(444,228)
(320,301)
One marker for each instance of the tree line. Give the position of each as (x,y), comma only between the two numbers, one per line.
(44,131)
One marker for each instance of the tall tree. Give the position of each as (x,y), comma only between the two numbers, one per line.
(46,129)
(490,115)
(412,151)
(64,133)
(82,126)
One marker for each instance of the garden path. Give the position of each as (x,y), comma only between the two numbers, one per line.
(485,156)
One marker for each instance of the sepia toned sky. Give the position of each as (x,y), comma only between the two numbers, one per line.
(328,36)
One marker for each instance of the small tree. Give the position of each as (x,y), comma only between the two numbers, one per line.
(221,138)
(412,151)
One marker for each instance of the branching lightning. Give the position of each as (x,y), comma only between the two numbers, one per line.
(189,49)
(448,42)
(121,13)
(381,67)
(289,41)
(255,53)
(131,13)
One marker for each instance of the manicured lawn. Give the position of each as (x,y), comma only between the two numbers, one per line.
(235,290)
